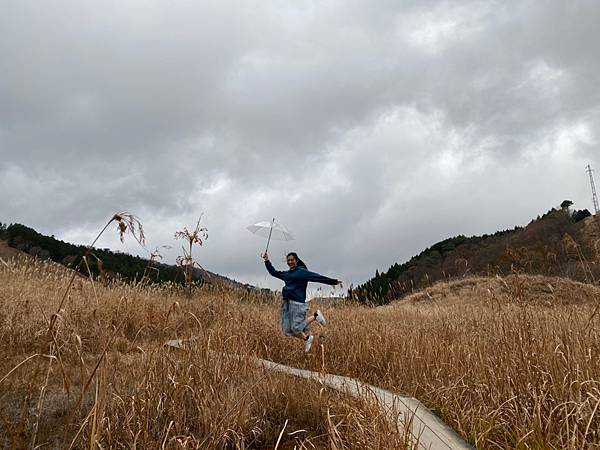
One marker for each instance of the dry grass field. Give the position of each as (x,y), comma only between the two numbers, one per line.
(96,374)
(508,362)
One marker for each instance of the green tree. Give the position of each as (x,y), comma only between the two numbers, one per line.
(566,204)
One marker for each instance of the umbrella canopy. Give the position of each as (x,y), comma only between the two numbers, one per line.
(271,230)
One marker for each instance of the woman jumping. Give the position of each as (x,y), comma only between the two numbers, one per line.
(293,319)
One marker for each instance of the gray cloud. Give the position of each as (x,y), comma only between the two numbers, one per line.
(371,129)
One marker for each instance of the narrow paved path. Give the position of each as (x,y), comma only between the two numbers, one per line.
(427,428)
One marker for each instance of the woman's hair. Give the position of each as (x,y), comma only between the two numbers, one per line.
(299,262)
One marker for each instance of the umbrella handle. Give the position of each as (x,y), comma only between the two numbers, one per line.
(270,231)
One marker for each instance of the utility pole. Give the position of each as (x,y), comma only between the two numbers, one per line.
(594,195)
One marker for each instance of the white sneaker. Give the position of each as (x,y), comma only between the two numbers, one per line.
(320,318)
(308,344)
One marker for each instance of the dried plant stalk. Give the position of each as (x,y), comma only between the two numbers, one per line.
(186,261)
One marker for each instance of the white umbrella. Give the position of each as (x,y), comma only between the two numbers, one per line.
(271,230)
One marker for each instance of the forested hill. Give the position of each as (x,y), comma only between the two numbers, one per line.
(560,243)
(102,261)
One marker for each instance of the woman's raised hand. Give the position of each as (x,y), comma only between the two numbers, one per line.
(265,256)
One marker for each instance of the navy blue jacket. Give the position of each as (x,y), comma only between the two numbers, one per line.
(296,281)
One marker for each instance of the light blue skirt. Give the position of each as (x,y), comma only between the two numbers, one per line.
(293,317)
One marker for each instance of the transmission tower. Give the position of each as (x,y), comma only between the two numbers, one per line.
(594,195)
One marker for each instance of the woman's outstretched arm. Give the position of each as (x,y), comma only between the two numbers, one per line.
(315,277)
(271,269)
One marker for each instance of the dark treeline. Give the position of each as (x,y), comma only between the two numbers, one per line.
(538,248)
(101,262)
(419,271)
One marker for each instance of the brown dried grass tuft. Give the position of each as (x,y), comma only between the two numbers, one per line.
(186,261)
(129,223)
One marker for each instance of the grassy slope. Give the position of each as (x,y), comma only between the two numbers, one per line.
(111,381)
(508,362)
(7,252)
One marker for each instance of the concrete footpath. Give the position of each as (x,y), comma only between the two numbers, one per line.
(427,428)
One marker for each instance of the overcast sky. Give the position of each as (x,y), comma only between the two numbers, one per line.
(370,129)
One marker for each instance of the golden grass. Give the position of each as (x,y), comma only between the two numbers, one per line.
(101,377)
(508,362)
